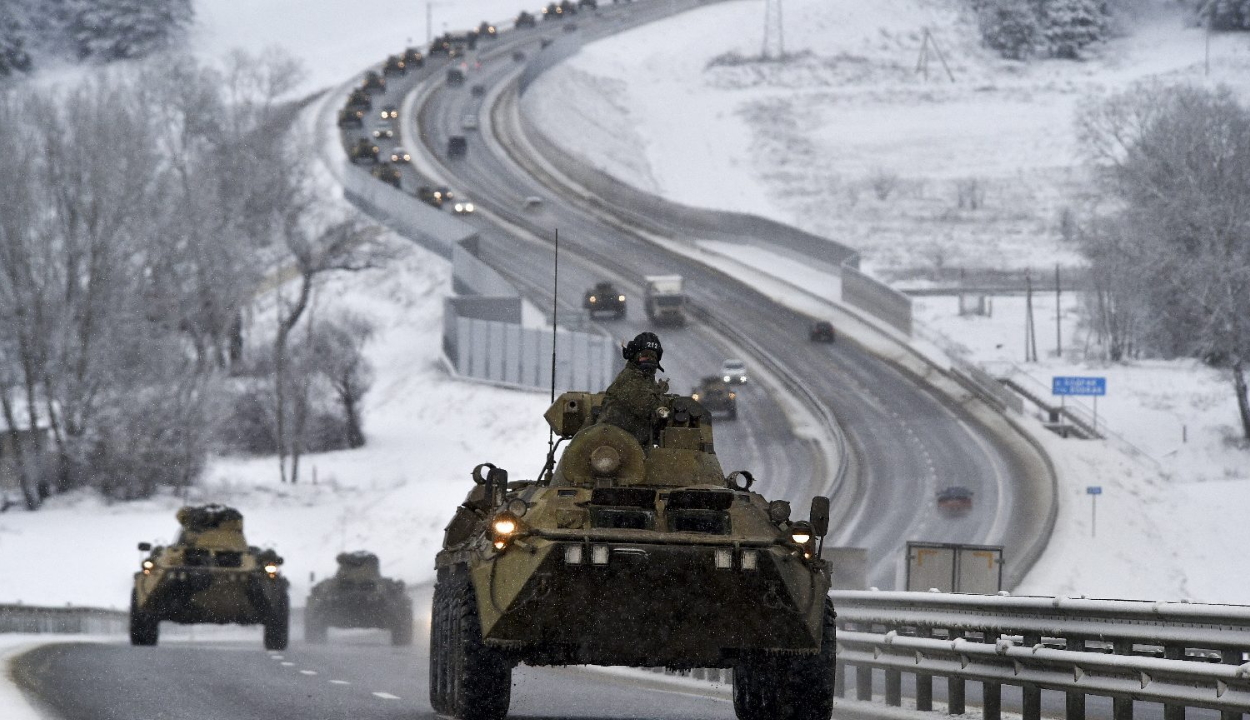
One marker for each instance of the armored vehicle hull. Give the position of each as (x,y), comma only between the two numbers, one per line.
(358,597)
(632,554)
(210,575)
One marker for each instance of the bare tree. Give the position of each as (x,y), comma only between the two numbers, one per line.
(338,355)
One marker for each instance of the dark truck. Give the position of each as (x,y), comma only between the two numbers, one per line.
(358,597)
(603,299)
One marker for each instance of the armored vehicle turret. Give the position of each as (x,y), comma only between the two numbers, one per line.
(209,575)
(358,597)
(632,553)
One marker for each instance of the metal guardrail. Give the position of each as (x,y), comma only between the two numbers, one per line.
(1183,655)
(65,620)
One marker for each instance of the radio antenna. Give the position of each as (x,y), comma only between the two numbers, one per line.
(555,294)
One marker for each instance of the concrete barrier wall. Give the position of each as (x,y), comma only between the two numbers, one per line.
(67,620)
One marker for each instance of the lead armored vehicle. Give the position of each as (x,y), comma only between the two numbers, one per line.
(715,395)
(604,298)
(358,597)
(636,554)
(209,575)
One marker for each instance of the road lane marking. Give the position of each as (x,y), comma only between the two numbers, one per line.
(288,664)
(277,657)
(339,682)
(307,672)
(386,696)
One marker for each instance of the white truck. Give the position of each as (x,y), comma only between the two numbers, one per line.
(665,299)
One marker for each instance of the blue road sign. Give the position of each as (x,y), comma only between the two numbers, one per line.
(1093,490)
(1079,386)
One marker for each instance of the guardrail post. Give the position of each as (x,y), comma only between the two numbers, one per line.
(863,682)
(1173,712)
(955,689)
(893,688)
(992,701)
(839,678)
(1122,708)
(1031,707)
(1076,700)
(1230,657)
(924,683)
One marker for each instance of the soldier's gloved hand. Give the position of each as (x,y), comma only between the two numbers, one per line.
(663,384)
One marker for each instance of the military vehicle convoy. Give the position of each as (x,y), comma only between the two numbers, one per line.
(209,575)
(632,554)
(358,597)
(604,298)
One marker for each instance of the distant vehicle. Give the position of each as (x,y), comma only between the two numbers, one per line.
(604,298)
(387,173)
(457,146)
(358,597)
(441,45)
(488,31)
(364,149)
(373,82)
(734,371)
(413,58)
(525,19)
(390,112)
(665,299)
(469,121)
(430,196)
(210,574)
(715,395)
(569,7)
(462,207)
(821,331)
(954,500)
(592,4)
(478,90)
(553,11)
(455,76)
(382,131)
(400,155)
(395,65)
(359,100)
(532,203)
(351,117)
(518,56)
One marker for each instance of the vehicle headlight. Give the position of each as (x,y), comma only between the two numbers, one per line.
(505,526)
(694,396)
(621,298)
(801,533)
(271,568)
(727,378)
(468,207)
(148,564)
(594,299)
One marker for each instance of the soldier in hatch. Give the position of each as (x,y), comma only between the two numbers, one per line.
(635,394)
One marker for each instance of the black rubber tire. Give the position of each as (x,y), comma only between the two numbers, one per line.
(479,677)
(145,630)
(788,688)
(401,628)
(438,650)
(278,627)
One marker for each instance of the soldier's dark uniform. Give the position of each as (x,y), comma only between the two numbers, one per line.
(633,396)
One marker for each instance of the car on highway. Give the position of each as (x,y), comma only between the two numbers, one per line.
(388,174)
(455,76)
(373,82)
(954,500)
(429,196)
(715,395)
(359,100)
(532,203)
(351,117)
(821,331)
(382,131)
(469,121)
(413,57)
(525,19)
(389,112)
(734,371)
(554,11)
(400,155)
(395,65)
(457,146)
(488,31)
(365,149)
(604,298)
(478,90)
(463,207)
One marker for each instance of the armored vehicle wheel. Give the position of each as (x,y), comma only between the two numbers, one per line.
(278,628)
(144,629)
(314,629)
(401,628)
(788,688)
(438,650)
(478,681)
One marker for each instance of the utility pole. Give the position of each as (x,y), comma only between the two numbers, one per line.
(922,62)
(429,22)
(1058,315)
(1030,333)
(774,33)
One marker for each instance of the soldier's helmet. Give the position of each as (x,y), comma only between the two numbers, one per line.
(644,351)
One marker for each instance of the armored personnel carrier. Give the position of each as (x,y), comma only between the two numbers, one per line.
(715,395)
(209,575)
(604,298)
(358,597)
(637,554)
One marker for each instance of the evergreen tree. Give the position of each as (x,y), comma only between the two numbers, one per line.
(13,38)
(1010,27)
(118,29)
(1070,26)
